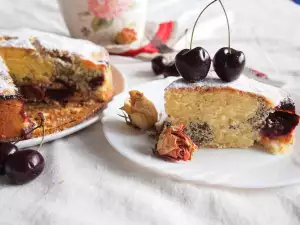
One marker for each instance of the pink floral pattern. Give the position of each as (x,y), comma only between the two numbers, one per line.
(108,9)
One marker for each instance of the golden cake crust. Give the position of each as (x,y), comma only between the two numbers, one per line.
(225,89)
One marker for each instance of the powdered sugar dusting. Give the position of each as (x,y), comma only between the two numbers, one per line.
(83,48)
(17,43)
(273,94)
(7,86)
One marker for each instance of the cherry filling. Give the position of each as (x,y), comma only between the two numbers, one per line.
(96,82)
(59,94)
(280,123)
(32,92)
(58,91)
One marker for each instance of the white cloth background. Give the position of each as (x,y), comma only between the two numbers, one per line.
(86,182)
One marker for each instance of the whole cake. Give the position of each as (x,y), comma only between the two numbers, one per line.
(49,71)
(237,114)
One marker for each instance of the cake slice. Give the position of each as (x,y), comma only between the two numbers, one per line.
(238,114)
(13,119)
(68,80)
(49,69)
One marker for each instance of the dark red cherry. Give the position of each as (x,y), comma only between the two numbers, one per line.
(171,70)
(280,123)
(24,166)
(6,149)
(229,66)
(193,65)
(158,64)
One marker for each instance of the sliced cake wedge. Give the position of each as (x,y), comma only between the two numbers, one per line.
(237,114)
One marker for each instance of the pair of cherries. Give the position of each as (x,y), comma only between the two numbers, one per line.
(193,65)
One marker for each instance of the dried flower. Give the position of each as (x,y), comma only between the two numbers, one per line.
(174,145)
(140,111)
(126,36)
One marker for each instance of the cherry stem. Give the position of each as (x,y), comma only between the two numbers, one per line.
(42,124)
(228,28)
(191,42)
(43,127)
(24,135)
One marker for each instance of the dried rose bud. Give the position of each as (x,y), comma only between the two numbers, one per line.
(173,144)
(126,36)
(140,111)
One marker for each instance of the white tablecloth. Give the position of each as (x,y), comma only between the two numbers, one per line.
(87,182)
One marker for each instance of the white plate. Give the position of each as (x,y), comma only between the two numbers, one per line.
(119,85)
(246,168)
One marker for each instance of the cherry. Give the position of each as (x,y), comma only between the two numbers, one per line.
(280,123)
(171,70)
(193,65)
(158,64)
(229,64)
(24,166)
(6,149)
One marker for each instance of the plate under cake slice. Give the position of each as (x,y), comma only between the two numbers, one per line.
(237,114)
(13,120)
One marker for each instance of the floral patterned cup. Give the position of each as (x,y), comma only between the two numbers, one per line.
(106,22)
